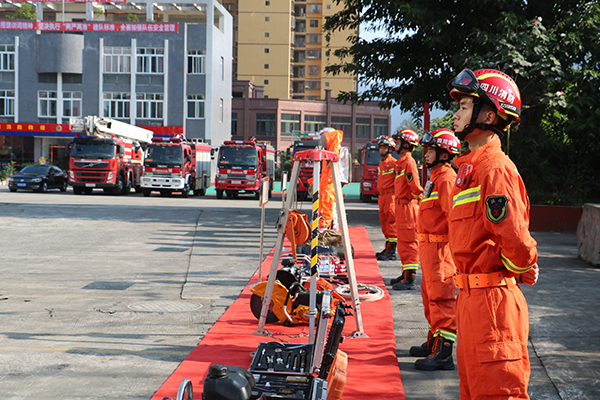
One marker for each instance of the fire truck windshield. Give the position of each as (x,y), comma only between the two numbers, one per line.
(93,150)
(305,145)
(240,157)
(372,157)
(156,155)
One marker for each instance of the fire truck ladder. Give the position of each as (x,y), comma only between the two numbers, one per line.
(106,128)
(316,156)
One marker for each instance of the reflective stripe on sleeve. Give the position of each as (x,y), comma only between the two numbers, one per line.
(432,196)
(509,265)
(467,196)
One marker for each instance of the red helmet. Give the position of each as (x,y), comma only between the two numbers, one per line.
(494,86)
(442,138)
(408,135)
(386,141)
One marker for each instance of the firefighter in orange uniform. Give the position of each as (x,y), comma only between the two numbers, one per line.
(490,242)
(408,190)
(437,266)
(385,199)
(331,140)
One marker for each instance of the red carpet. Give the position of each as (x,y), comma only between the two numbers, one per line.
(373,370)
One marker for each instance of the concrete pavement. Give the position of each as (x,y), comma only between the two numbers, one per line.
(101,297)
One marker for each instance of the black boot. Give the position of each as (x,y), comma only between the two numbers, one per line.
(425,349)
(389,254)
(440,357)
(387,245)
(408,283)
(399,279)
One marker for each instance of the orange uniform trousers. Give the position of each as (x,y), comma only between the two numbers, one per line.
(437,286)
(406,231)
(387,214)
(491,345)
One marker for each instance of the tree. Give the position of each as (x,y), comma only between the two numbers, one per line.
(551,49)
(25,12)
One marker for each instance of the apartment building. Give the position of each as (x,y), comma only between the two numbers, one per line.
(280,45)
(170,75)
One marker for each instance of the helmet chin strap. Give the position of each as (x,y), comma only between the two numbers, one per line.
(437,161)
(472,125)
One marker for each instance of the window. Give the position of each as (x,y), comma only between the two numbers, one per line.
(299,56)
(7,103)
(313,69)
(301,26)
(300,41)
(196,61)
(72,78)
(266,81)
(314,8)
(314,123)
(266,124)
(266,66)
(267,19)
(7,57)
(344,124)
(313,84)
(47,103)
(117,105)
(233,124)
(150,105)
(314,38)
(289,124)
(380,127)
(313,53)
(267,3)
(299,71)
(314,23)
(222,68)
(326,84)
(150,60)
(195,106)
(221,111)
(72,104)
(266,34)
(117,60)
(266,51)
(363,128)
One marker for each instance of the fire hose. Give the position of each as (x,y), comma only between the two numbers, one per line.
(373,293)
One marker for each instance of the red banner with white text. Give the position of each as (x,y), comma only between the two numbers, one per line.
(50,26)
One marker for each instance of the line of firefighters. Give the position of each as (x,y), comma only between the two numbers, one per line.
(469,230)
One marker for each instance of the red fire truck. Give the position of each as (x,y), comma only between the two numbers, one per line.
(369,158)
(174,164)
(108,156)
(306,169)
(242,165)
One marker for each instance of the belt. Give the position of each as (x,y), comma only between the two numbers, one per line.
(387,191)
(405,201)
(427,237)
(478,281)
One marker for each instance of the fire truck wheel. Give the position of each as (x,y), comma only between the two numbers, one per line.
(64,186)
(185,192)
(219,194)
(88,190)
(118,189)
(365,198)
(257,195)
(146,192)
(256,308)
(126,187)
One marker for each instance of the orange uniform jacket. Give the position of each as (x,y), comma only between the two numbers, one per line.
(489,232)
(407,192)
(385,199)
(437,266)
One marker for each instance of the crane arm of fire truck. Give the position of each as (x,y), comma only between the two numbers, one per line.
(106,127)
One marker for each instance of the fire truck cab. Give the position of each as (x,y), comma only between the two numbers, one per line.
(369,159)
(306,168)
(242,165)
(106,154)
(174,164)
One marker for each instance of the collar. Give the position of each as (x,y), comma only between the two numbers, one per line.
(482,153)
(440,171)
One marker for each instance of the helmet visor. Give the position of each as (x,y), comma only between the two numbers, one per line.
(428,140)
(466,82)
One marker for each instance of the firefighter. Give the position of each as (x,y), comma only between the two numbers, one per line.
(331,140)
(385,199)
(490,241)
(437,266)
(408,190)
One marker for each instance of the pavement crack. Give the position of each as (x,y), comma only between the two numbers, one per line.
(187,272)
(544,368)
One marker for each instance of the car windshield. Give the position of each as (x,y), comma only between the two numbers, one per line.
(372,157)
(35,169)
(166,155)
(92,150)
(239,156)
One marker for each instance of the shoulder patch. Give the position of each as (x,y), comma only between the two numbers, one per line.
(496,208)
(409,177)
